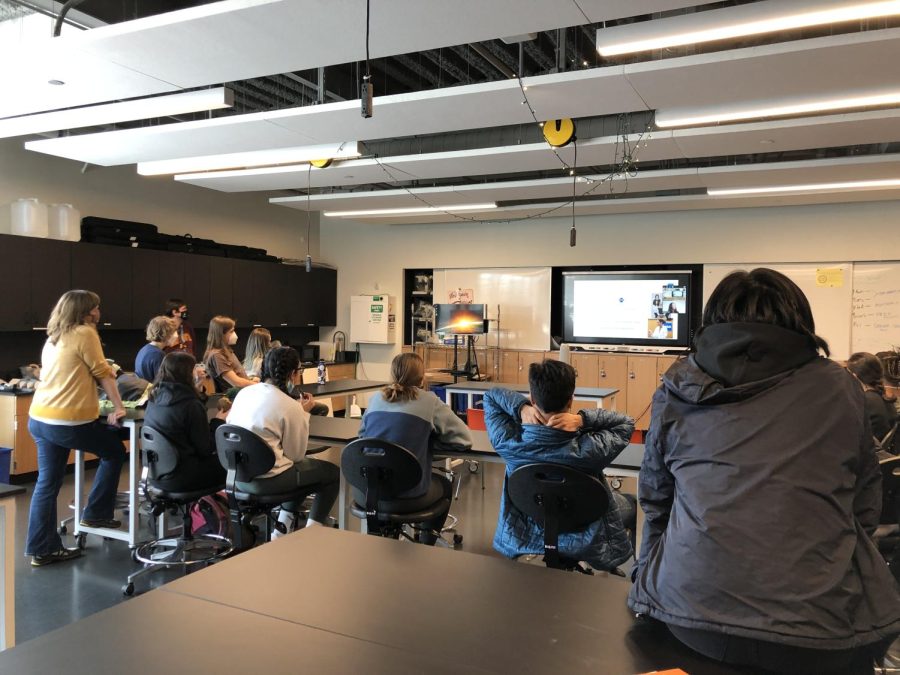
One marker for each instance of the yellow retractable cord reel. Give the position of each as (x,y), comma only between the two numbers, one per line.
(558,134)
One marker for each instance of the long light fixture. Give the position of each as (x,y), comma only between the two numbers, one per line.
(411,211)
(243,173)
(683,118)
(732,22)
(888,183)
(123,111)
(253,158)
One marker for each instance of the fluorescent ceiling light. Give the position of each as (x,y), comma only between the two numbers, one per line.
(416,210)
(239,173)
(253,158)
(773,16)
(814,187)
(681,118)
(124,111)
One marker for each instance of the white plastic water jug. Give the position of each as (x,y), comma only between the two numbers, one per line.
(28,218)
(64,222)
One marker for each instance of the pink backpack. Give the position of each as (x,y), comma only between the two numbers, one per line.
(210,515)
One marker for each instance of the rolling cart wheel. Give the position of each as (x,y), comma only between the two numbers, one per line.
(81,540)
(63,529)
(457,539)
(128,590)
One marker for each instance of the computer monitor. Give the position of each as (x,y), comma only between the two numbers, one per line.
(459,319)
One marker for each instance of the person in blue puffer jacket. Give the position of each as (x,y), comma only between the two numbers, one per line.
(543,430)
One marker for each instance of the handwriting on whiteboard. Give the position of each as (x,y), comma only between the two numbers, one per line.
(876,310)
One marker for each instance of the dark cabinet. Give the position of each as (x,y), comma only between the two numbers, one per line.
(106,270)
(146,301)
(134,285)
(40,274)
(324,295)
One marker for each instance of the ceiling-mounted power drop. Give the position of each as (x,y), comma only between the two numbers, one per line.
(559,133)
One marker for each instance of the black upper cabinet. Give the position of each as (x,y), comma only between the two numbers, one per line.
(41,273)
(145,293)
(106,270)
(15,310)
(221,293)
(134,285)
(324,292)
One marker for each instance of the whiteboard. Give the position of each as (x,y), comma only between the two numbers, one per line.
(876,306)
(830,298)
(520,296)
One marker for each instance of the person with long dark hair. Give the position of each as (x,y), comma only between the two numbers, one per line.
(880,408)
(63,415)
(761,492)
(176,411)
(404,413)
(269,411)
(220,360)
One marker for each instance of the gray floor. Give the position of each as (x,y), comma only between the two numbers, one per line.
(53,596)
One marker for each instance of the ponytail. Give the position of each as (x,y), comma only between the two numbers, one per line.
(278,366)
(407,373)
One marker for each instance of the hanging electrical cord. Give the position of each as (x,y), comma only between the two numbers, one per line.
(574,179)
(366,89)
(308,195)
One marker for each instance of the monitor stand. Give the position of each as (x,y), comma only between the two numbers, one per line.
(470,370)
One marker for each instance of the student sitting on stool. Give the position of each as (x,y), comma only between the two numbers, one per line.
(544,430)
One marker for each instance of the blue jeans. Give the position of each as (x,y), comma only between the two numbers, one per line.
(54,441)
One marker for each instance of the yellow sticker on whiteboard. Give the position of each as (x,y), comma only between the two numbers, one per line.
(830,277)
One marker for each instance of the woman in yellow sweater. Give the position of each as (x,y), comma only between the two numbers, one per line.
(63,416)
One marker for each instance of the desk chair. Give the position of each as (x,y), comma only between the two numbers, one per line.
(560,498)
(379,471)
(161,457)
(246,456)
(887,443)
(888,534)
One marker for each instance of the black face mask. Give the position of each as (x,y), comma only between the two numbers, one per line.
(184,315)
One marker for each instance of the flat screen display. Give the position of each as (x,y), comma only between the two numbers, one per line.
(459,319)
(628,308)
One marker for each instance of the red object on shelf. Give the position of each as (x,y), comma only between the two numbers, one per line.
(637,436)
(475,419)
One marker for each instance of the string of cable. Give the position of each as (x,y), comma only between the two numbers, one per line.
(625,167)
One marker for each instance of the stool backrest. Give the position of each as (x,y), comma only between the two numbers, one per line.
(243,454)
(577,499)
(890,438)
(159,455)
(394,468)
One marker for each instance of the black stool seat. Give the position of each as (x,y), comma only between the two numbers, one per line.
(181,497)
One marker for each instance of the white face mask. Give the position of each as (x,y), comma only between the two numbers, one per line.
(232,338)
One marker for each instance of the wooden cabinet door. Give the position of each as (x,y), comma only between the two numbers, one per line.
(613,374)
(197,284)
(436,358)
(324,296)
(25,451)
(509,366)
(15,310)
(145,284)
(50,267)
(171,279)
(663,363)
(525,360)
(642,382)
(245,309)
(587,369)
(221,293)
(107,270)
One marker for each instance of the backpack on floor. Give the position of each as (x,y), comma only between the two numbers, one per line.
(210,515)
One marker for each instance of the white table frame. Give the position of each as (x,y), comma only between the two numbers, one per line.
(130,534)
(472,389)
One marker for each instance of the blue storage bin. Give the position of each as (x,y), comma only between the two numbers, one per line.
(5,461)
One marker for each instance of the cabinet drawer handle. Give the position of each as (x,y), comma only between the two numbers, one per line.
(603,374)
(631,375)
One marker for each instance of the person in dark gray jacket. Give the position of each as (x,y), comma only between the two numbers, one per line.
(761,493)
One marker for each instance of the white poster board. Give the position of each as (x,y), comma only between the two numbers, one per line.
(876,306)
(519,295)
(828,286)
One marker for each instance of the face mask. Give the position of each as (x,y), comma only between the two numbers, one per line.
(232,338)
(184,315)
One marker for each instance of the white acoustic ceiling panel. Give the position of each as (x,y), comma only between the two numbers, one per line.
(857,60)
(240,39)
(816,68)
(871,167)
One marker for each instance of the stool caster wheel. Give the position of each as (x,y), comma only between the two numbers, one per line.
(457,539)
(81,540)
(63,529)
(128,590)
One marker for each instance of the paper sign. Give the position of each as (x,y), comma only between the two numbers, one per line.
(830,277)
(462,296)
